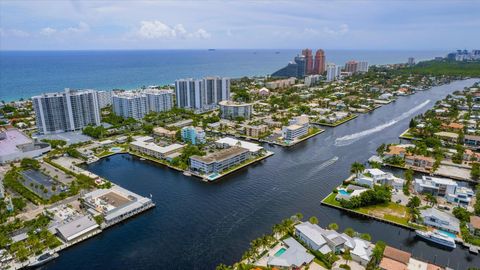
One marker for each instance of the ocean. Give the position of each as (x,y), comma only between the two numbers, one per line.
(27,73)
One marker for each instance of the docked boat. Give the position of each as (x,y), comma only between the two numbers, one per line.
(187,173)
(437,238)
(44,258)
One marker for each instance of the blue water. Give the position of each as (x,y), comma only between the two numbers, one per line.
(448,234)
(280,252)
(343,192)
(27,73)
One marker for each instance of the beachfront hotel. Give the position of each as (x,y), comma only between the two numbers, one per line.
(202,94)
(66,111)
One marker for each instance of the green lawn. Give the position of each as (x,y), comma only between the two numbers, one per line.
(391,211)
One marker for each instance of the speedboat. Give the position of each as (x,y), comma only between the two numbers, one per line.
(437,238)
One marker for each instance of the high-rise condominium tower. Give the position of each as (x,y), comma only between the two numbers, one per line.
(319,62)
(66,111)
(202,94)
(307,53)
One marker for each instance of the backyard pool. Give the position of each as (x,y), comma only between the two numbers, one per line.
(343,192)
(280,252)
(449,234)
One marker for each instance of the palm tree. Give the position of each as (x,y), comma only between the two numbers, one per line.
(313,220)
(357,168)
(333,226)
(299,216)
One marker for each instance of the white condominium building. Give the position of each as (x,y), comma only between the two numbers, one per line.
(159,100)
(130,104)
(136,104)
(66,111)
(331,72)
(202,94)
(104,98)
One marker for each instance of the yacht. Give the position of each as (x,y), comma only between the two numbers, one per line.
(44,258)
(437,238)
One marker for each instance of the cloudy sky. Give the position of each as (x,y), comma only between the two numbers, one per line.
(89,24)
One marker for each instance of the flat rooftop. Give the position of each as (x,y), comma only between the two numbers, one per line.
(252,147)
(221,154)
(14,137)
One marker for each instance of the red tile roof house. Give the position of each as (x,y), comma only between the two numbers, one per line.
(419,162)
(474,225)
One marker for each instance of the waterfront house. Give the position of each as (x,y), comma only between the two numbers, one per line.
(362,251)
(474,225)
(435,185)
(293,257)
(419,162)
(444,187)
(440,220)
(472,141)
(372,177)
(395,151)
(326,241)
(447,137)
(394,259)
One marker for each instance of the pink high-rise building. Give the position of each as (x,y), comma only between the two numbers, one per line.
(319,62)
(308,61)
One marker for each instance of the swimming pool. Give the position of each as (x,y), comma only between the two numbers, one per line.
(449,234)
(343,192)
(116,149)
(280,252)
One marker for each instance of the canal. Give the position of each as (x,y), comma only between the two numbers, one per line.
(197,225)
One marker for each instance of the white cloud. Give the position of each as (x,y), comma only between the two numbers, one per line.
(82,27)
(159,30)
(48,31)
(342,29)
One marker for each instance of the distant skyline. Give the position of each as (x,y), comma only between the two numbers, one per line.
(103,25)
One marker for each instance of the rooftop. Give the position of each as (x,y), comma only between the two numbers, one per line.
(475,222)
(77,227)
(221,154)
(252,147)
(397,255)
(295,255)
(13,138)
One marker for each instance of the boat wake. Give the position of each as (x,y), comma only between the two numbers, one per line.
(322,166)
(349,139)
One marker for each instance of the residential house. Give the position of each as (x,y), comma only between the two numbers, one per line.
(295,256)
(420,162)
(444,187)
(395,151)
(440,220)
(447,137)
(472,141)
(474,225)
(371,177)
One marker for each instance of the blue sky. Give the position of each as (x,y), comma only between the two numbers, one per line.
(78,24)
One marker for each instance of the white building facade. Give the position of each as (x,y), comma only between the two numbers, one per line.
(66,111)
